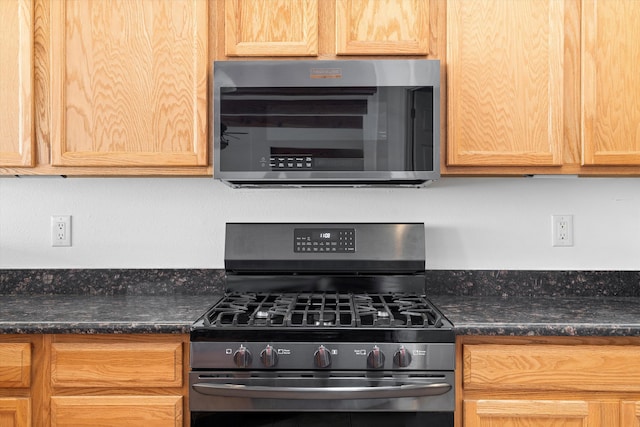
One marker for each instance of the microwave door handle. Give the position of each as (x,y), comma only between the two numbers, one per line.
(324,393)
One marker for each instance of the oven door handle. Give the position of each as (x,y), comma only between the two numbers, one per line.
(325,393)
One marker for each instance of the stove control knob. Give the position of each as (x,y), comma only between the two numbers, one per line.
(322,357)
(375,358)
(242,357)
(269,357)
(402,357)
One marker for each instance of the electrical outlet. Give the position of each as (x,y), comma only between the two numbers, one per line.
(562,230)
(61,230)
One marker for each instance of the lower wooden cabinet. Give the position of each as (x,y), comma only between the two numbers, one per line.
(548,382)
(115,411)
(15,412)
(96,380)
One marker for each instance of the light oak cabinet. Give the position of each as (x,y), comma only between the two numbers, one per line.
(16,83)
(544,382)
(118,380)
(271,27)
(323,28)
(15,412)
(120,88)
(611,82)
(18,402)
(542,87)
(505,82)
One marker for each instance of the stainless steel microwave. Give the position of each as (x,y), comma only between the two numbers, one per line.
(326,123)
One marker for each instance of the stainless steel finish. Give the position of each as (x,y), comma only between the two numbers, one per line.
(380,247)
(223,391)
(284,73)
(301,355)
(324,393)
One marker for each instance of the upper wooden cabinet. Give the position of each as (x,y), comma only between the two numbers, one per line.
(326,28)
(128,83)
(392,27)
(16,83)
(505,82)
(271,27)
(611,82)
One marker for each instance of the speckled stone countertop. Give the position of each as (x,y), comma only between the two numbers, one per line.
(542,316)
(520,303)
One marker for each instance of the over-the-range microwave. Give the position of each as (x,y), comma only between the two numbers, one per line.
(326,123)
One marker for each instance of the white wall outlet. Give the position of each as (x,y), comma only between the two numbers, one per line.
(61,230)
(562,230)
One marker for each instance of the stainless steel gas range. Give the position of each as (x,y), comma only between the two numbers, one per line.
(323,323)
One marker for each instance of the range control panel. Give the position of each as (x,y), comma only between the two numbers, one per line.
(325,240)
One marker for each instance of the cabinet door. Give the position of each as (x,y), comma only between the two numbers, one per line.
(630,414)
(385,27)
(15,412)
(15,365)
(538,413)
(271,27)
(16,83)
(611,82)
(505,82)
(116,411)
(128,83)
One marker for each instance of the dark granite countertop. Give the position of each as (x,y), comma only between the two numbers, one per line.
(92,314)
(542,316)
(523,303)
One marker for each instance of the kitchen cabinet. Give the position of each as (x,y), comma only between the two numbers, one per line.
(542,87)
(611,82)
(20,382)
(49,380)
(325,29)
(130,380)
(120,88)
(398,27)
(271,27)
(14,412)
(16,83)
(505,82)
(551,381)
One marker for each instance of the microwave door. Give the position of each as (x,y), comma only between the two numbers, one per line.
(420,148)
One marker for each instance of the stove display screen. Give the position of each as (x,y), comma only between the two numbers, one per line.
(338,240)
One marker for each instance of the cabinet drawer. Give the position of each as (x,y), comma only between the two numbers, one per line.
(15,364)
(551,367)
(116,411)
(116,365)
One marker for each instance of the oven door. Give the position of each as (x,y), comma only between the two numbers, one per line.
(285,398)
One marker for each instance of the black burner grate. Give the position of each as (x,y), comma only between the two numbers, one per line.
(313,310)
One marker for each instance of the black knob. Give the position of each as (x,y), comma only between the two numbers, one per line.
(402,357)
(322,357)
(375,358)
(242,357)
(269,357)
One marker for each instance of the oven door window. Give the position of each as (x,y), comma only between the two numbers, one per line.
(298,129)
(336,419)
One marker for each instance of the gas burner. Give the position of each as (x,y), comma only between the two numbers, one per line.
(324,310)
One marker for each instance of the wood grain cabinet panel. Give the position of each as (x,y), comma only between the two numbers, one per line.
(271,27)
(385,27)
(128,83)
(630,414)
(15,412)
(17,143)
(505,82)
(15,365)
(116,411)
(552,367)
(116,364)
(534,413)
(611,82)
